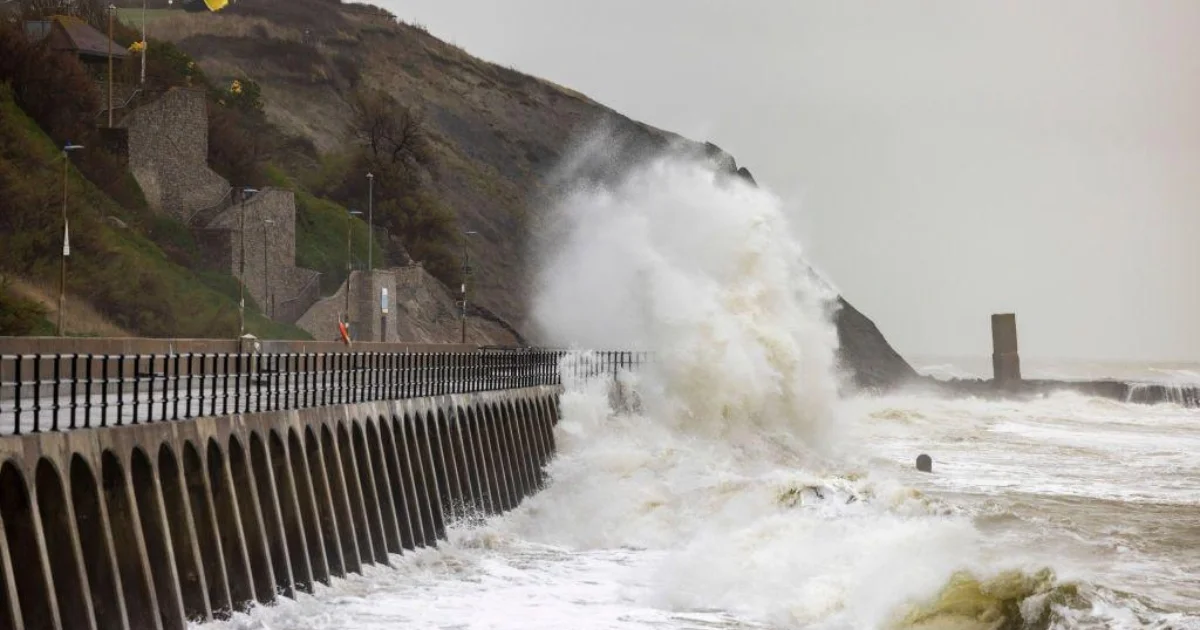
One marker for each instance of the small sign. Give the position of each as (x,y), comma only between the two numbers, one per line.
(66,240)
(383,301)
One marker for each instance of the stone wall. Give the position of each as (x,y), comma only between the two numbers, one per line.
(168,524)
(168,154)
(271,276)
(421,309)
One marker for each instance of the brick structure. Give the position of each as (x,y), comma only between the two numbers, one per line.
(168,155)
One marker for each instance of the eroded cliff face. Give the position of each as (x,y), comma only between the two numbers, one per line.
(500,136)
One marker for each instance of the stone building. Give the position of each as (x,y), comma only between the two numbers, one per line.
(167,152)
(282,290)
(168,156)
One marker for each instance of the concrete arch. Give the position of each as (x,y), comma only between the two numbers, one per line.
(192,583)
(382,487)
(459,462)
(455,460)
(536,440)
(157,540)
(272,520)
(438,447)
(413,476)
(232,541)
(354,495)
(289,510)
(404,510)
(64,555)
(483,461)
(243,488)
(365,478)
(355,504)
(521,442)
(31,569)
(470,464)
(313,474)
(207,533)
(417,433)
(498,447)
(507,450)
(548,406)
(95,540)
(332,469)
(141,601)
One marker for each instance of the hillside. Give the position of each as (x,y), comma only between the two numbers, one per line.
(496,132)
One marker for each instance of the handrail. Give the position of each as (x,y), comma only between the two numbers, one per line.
(60,392)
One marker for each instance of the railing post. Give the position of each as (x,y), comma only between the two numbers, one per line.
(121,359)
(75,359)
(57,385)
(104,383)
(17,394)
(258,382)
(137,372)
(87,401)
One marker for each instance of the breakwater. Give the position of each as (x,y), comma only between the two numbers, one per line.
(325,468)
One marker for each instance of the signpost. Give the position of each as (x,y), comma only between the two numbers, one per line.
(383,308)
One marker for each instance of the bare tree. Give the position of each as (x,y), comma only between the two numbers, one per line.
(393,133)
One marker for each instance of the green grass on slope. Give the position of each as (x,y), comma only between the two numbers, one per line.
(321,235)
(121,273)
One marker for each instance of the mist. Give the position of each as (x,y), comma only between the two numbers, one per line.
(940,161)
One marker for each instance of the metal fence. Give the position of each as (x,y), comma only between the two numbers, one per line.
(71,391)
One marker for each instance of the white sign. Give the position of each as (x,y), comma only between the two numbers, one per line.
(383,301)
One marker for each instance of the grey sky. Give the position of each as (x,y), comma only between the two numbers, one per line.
(946,159)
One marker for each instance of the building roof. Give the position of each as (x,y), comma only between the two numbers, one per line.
(80,37)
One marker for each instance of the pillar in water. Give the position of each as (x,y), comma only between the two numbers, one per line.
(1006,364)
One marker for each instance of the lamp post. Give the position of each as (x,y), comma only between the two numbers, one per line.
(266,271)
(112,9)
(145,44)
(370,219)
(242,263)
(348,215)
(466,273)
(66,251)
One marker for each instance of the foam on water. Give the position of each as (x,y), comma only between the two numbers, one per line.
(736,491)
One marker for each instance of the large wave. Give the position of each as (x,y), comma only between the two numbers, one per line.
(731,464)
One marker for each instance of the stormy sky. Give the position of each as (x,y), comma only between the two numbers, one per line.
(943,159)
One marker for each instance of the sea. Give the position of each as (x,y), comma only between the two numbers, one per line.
(736,483)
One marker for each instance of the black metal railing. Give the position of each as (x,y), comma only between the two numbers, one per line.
(61,392)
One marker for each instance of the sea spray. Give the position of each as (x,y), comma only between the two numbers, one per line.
(738,412)
(702,269)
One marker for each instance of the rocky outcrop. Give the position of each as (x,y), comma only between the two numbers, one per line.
(865,354)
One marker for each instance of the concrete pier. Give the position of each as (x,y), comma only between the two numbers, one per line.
(1006,363)
(153,525)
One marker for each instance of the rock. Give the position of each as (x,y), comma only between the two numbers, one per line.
(924,463)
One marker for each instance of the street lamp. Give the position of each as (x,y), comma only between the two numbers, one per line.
(112,9)
(266,271)
(145,44)
(66,251)
(242,275)
(466,273)
(348,215)
(370,218)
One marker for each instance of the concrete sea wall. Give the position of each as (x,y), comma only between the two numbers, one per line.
(152,525)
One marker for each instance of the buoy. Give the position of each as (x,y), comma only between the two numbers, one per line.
(924,463)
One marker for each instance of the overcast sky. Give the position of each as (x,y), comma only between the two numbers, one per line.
(945,159)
